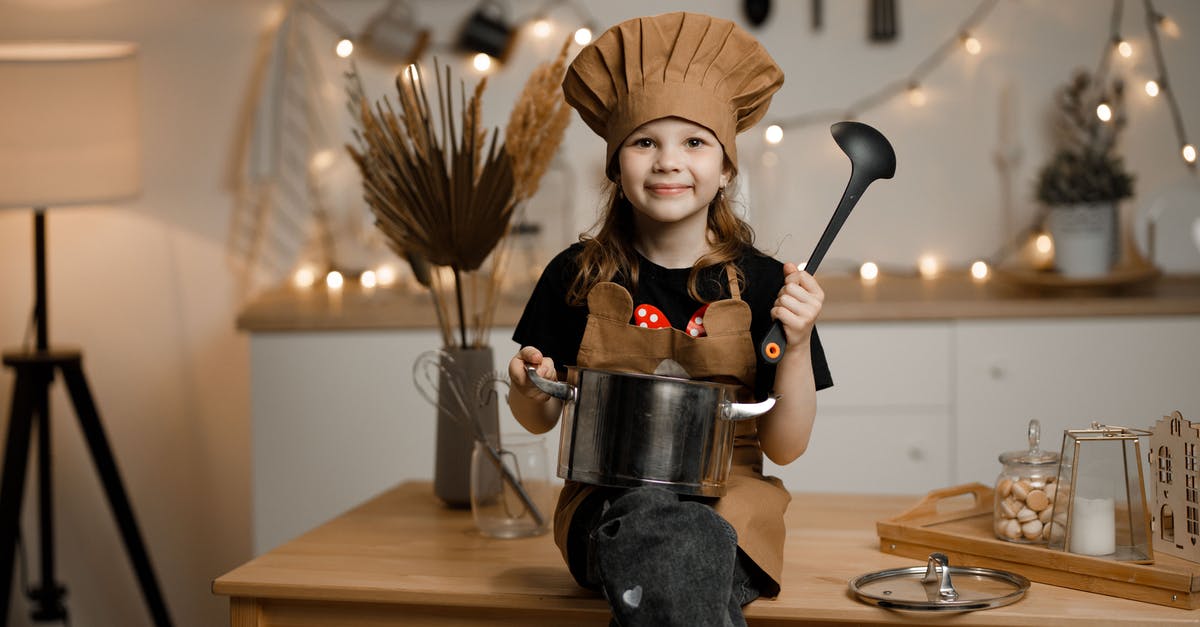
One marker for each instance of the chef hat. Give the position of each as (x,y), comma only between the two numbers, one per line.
(700,68)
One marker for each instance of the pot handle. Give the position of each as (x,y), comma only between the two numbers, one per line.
(557,389)
(742,411)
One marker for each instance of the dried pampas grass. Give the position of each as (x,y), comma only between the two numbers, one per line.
(533,134)
(536,125)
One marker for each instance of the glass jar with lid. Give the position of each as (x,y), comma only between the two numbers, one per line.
(1025,489)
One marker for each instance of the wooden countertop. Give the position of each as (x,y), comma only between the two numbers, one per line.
(847,298)
(402,558)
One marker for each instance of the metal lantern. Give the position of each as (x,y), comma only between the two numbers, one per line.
(1100,499)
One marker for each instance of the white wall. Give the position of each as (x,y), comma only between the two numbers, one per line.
(148,289)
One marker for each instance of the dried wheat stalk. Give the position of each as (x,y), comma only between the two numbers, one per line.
(534,131)
(536,125)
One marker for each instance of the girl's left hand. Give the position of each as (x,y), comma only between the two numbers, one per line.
(798,304)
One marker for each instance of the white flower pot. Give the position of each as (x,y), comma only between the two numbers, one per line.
(1085,238)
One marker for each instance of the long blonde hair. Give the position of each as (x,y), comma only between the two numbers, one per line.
(609,253)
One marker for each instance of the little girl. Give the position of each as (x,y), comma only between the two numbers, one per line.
(669,94)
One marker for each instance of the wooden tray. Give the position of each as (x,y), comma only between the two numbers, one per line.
(957,521)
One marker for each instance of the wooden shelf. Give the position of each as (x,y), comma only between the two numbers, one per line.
(847,298)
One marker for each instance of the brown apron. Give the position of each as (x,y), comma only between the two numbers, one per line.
(753,504)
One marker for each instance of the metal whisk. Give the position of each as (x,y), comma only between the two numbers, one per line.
(433,366)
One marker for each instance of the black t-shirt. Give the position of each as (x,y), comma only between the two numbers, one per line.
(556,328)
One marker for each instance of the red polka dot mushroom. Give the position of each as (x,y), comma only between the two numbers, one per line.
(649,316)
(695,326)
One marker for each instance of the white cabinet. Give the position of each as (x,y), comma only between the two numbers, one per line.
(885,425)
(922,405)
(1066,373)
(915,406)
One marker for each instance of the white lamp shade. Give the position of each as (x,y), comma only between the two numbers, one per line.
(68,123)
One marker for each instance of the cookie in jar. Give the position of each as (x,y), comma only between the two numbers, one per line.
(1025,490)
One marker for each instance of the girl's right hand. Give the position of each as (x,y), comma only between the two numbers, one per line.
(519,379)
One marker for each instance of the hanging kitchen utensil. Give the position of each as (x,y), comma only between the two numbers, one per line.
(756,11)
(940,587)
(392,36)
(882,16)
(871,157)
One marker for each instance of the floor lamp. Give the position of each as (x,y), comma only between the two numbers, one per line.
(68,136)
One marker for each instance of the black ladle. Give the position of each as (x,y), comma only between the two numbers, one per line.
(871,158)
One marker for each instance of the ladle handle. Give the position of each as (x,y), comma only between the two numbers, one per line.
(775,343)
(871,157)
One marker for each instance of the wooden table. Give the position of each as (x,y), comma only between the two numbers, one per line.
(403,559)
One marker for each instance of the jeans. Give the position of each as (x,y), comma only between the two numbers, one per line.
(660,559)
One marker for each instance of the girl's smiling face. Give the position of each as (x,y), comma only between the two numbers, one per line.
(671,169)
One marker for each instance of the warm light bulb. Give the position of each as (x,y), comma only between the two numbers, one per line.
(1044,244)
(1168,26)
(979,270)
(541,28)
(1124,48)
(321,160)
(773,134)
(368,279)
(1104,112)
(972,45)
(385,275)
(1189,153)
(583,36)
(869,271)
(482,62)
(1040,252)
(273,16)
(334,280)
(304,277)
(929,266)
(344,47)
(1152,88)
(916,96)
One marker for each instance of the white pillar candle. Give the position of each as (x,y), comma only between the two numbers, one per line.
(1093,527)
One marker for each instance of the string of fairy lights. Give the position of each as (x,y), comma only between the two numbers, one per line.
(965,39)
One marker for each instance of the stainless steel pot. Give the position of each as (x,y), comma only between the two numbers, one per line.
(627,430)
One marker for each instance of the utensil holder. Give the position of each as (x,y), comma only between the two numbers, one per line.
(463,374)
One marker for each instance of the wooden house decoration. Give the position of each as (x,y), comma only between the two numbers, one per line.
(1175,514)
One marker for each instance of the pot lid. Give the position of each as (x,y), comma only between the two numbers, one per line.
(1034,455)
(939,587)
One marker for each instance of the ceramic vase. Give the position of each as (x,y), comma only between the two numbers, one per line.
(1085,238)
(465,404)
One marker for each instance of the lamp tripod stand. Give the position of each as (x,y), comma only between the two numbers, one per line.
(35,371)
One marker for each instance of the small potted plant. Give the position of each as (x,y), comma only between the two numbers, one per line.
(1085,178)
